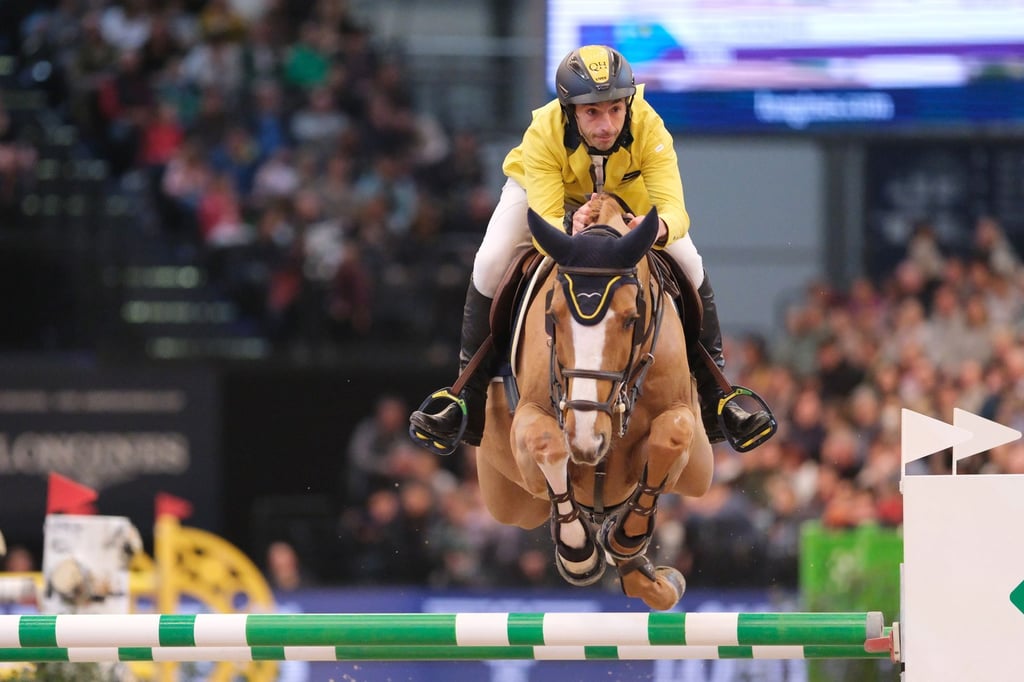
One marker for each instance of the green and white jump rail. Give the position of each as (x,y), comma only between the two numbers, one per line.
(431,653)
(440,630)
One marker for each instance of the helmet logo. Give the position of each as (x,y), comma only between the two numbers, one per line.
(596,59)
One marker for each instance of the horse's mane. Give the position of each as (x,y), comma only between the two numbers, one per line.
(607,211)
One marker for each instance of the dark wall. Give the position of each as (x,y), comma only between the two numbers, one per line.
(285,432)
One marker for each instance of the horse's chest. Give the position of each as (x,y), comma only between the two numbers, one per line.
(614,485)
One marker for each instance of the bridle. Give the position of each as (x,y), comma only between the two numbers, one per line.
(627,383)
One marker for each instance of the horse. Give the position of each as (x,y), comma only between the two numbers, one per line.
(607,417)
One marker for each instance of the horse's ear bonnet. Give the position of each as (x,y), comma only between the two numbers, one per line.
(592,248)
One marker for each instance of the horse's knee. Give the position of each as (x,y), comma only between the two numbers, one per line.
(695,479)
(544,445)
(527,513)
(671,435)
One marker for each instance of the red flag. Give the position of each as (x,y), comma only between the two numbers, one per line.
(172,505)
(65,496)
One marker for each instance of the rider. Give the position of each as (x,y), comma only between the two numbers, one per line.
(599,134)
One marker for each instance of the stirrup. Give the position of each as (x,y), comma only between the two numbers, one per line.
(437,445)
(752,441)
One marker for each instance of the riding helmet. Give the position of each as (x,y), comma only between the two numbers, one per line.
(594,73)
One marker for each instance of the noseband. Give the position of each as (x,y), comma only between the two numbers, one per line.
(589,292)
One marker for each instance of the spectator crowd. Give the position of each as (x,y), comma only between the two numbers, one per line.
(279,146)
(272,142)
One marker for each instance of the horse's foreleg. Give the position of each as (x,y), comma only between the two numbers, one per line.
(695,479)
(627,535)
(540,446)
(666,453)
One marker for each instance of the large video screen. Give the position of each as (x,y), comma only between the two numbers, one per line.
(811,65)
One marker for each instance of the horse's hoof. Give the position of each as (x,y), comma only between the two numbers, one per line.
(589,577)
(674,578)
(660,589)
(607,531)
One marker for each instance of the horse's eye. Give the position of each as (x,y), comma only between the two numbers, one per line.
(630,321)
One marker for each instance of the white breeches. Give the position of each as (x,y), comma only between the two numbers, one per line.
(507,230)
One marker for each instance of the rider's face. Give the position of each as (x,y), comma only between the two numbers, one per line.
(600,123)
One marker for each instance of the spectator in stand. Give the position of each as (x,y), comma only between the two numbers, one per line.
(908,281)
(276,179)
(924,252)
(350,295)
(849,506)
(372,439)
(390,536)
(183,23)
(17,167)
(269,122)
(61,30)
(162,138)
(806,429)
(945,325)
(975,341)
(335,187)
(184,180)
(837,374)
(261,56)
(1004,299)
(220,215)
(782,522)
(162,47)
(125,24)
(390,181)
(318,125)
(798,343)
(212,119)
(238,156)
(361,60)
(218,17)
(389,122)
(841,450)
(215,63)
(91,60)
(373,533)
(253,269)
(727,546)
(125,102)
(306,63)
(285,570)
(990,245)
(908,329)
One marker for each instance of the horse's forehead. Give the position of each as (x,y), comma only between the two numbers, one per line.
(590,297)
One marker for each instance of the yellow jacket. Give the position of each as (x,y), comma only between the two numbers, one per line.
(643,175)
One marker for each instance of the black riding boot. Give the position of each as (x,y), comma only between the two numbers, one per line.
(740,424)
(444,425)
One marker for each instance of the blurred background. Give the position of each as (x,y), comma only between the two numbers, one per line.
(235,237)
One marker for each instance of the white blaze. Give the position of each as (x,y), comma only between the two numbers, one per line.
(588,343)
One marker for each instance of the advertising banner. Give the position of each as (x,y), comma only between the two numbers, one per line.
(126,433)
